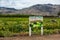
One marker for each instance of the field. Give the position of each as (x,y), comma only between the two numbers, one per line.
(51,25)
(15,26)
(12,25)
(20,25)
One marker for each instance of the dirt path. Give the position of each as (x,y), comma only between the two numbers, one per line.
(35,37)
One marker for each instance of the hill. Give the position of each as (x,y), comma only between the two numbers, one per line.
(38,9)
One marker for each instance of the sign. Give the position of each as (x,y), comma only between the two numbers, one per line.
(35,21)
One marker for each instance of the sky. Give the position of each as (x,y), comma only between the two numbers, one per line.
(19,4)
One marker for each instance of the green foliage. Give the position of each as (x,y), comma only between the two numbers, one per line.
(36,24)
(5,33)
(48,24)
(51,27)
(58,13)
(46,32)
(13,25)
(10,25)
(14,15)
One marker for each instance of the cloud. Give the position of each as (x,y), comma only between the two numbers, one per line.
(18,4)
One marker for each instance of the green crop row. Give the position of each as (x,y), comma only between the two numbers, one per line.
(11,25)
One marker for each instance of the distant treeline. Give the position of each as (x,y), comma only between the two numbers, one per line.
(18,15)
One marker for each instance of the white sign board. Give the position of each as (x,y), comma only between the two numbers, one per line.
(35,21)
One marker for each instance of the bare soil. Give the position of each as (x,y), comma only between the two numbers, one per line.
(34,37)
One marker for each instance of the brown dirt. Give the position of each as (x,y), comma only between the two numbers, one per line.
(34,37)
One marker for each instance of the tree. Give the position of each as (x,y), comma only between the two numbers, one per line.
(58,13)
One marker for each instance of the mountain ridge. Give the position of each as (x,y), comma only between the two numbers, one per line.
(38,9)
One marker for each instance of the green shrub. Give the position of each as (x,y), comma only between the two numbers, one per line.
(46,32)
(5,33)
